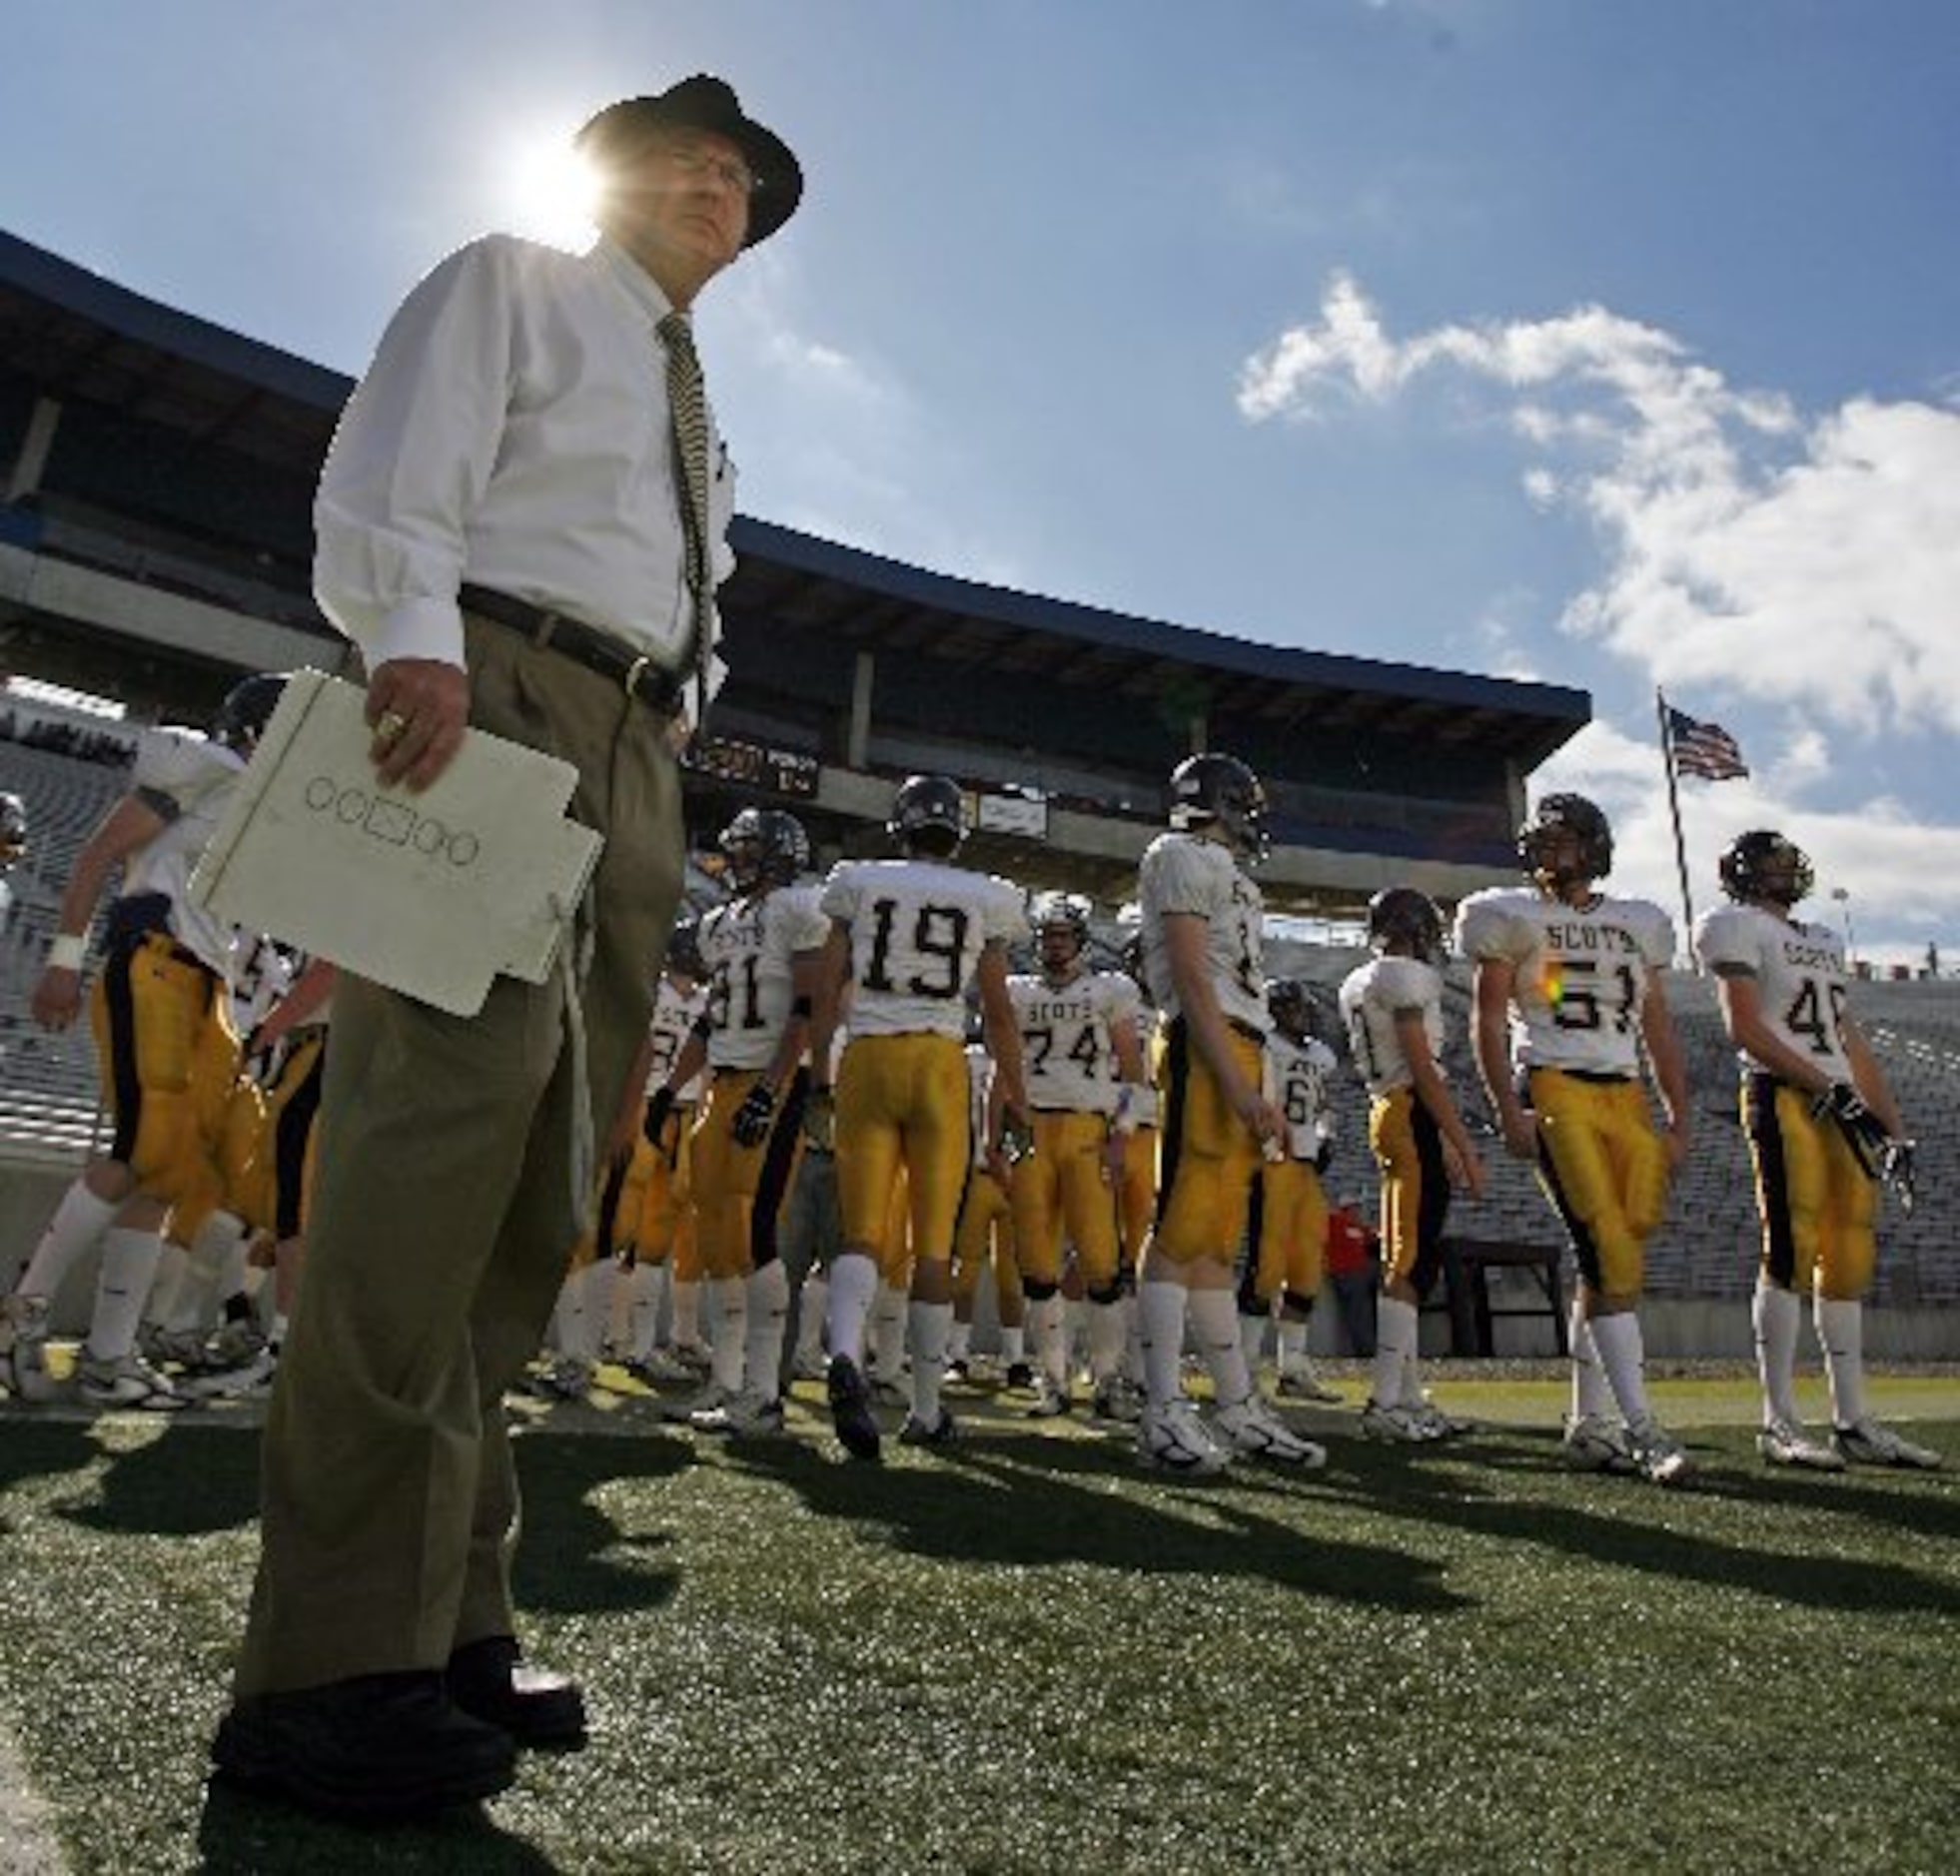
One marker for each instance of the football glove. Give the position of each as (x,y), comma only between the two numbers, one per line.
(820,1120)
(1325,1157)
(1863,1128)
(1896,1168)
(1016,1141)
(751,1123)
(659,1104)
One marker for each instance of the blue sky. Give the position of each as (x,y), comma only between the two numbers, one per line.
(1611,344)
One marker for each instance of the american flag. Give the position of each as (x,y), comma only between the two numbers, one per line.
(1705,749)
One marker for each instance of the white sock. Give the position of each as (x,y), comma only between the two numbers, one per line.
(1215,1319)
(645,1287)
(1133,1364)
(1593,1398)
(1161,1310)
(129,1263)
(1075,1335)
(687,1312)
(930,1325)
(854,1289)
(1293,1347)
(959,1347)
(1046,1316)
(1108,1333)
(276,1336)
(1396,1325)
(77,1226)
(1776,1313)
(1622,1354)
(768,1323)
(809,1319)
(1842,1331)
(1013,1344)
(888,1331)
(220,1247)
(1412,1368)
(167,1286)
(727,1310)
(1252,1341)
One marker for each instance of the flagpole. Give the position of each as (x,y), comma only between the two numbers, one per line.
(1674,814)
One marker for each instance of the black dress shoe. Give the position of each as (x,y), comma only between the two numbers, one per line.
(533,1707)
(377,1749)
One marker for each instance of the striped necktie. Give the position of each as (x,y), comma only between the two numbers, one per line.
(687,398)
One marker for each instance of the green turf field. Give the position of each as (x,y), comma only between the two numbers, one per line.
(1026,1655)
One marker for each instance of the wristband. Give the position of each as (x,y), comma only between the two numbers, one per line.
(67,952)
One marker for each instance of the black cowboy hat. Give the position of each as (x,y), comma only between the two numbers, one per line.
(707,103)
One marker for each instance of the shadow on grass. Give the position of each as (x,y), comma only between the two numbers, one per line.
(31,1449)
(573,1560)
(240,1836)
(178,1485)
(981,1502)
(1459,1500)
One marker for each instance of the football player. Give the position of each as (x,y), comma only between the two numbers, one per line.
(164,1037)
(1823,1126)
(1392,1008)
(760,951)
(652,1209)
(984,1241)
(1569,996)
(1288,1215)
(1078,1045)
(13,844)
(913,936)
(1202,920)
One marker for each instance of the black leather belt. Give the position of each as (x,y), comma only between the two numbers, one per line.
(638,676)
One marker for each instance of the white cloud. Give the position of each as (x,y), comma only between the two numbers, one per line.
(1806,561)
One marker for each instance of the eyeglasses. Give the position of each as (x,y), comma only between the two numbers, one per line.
(696,162)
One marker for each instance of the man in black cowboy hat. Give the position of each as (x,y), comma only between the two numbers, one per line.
(521,524)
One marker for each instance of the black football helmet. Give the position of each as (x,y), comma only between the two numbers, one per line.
(928,812)
(1554,862)
(1218,788)
(1061,928)
(13,828)
(1764,864)
(765,847)
(1400,914)
(247,707)
(685,949)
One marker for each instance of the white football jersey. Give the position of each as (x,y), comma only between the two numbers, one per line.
(675,1012)
(917,928)
(1800,979)
(1297,1082)
(1580,973)
(1190,874)
(1371,998)
(188,779)
(751,949)
(259,974)
(1068,1037)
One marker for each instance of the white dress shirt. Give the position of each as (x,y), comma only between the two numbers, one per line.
(514,432)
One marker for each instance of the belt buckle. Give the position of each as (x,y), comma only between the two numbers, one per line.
(634,672)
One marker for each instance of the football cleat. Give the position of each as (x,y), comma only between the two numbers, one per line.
(746,1416)
(24,1350)
(566,1379)
(1593,1444)
(1657,1456)
(127,1381)
(1867,1442)
(1252,1427)
(235,1344)
(171,1348)
(252,1381)
(1051,1400)
(850,1408)
(1441,1425)
(888,1393)
(1174,1440)
(1302,1383)
(1019,1374)
(703,1401)
(693,1354)
(659,1367)
(1783,1442)
(810,1364)
(942,1432)
(1397,1424)
(1118,1399)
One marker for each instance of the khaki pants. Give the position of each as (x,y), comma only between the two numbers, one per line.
(442,1214)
